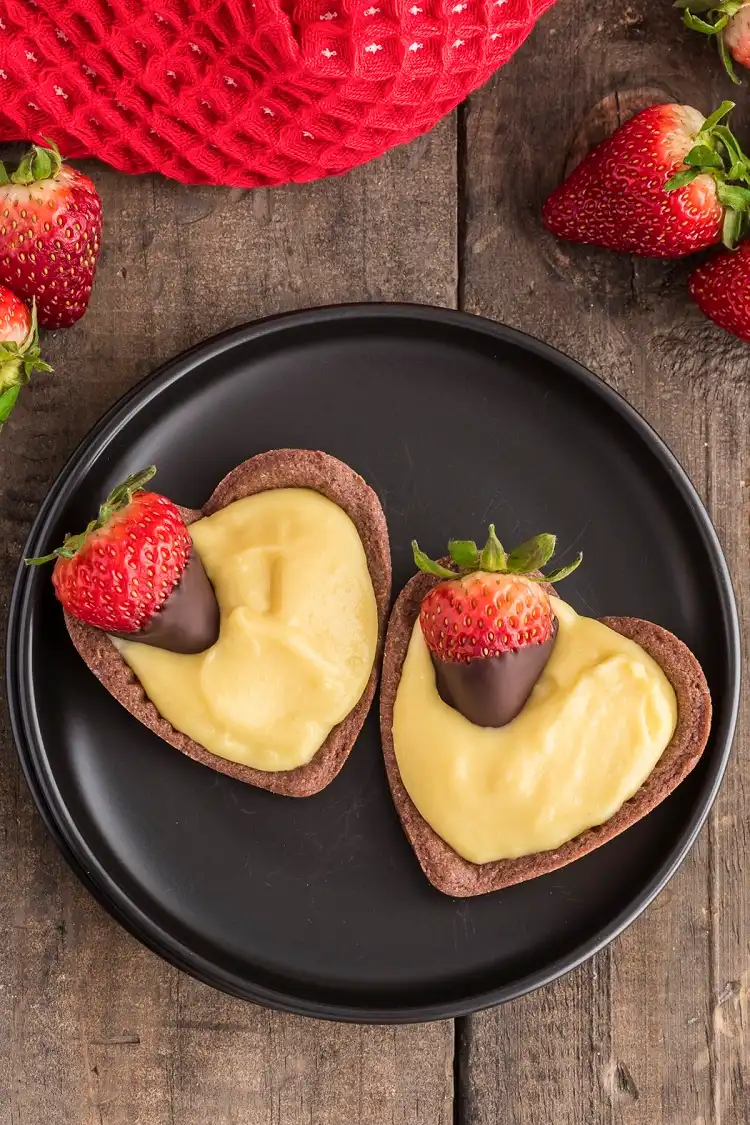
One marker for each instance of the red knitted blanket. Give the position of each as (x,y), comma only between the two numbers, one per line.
(245,92)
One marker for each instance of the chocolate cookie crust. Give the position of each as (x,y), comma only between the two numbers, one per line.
(280,468)
(445,868)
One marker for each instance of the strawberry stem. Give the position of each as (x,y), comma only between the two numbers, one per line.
(118,499)
(493,556)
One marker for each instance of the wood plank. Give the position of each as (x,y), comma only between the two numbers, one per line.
(94,1029)
(655,1028)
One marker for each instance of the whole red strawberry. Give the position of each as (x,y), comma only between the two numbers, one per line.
(658,187)
(50,234)
(493,603)
(19,350)
(120,571)
(721,288)
(729,21)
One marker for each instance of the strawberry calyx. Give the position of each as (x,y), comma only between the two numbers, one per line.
(18,362)
(718,16)
(39,163)
(717,153)
(118,499)
(525,560)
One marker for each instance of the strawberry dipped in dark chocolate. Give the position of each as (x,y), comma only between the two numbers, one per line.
(489,624)
(135,574)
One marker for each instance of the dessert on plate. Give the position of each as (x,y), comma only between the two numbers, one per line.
(517,734)
(246,634)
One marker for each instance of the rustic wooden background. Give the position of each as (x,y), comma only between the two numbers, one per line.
(95,1030)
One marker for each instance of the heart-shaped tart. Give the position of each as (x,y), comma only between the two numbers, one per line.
(518,735)
(246,634)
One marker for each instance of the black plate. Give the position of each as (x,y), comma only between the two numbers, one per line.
(318,905)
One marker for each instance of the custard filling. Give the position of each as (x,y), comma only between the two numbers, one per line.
(298,635)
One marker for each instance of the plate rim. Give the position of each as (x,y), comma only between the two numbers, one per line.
(59,822)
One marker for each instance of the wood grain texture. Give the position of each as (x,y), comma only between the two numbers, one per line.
(94,1029)
(655,1029)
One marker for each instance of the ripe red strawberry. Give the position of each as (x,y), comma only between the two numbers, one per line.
(493,602)
(721,288)
(50,233)
(657,187)
(19,350)
(123,567)
(729,21)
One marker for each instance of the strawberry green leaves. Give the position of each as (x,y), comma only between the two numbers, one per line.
(718,17)
(717,153)
(719,13)
(426,564)
(69,549)
(564,571)
(37,164)
(464,553)
(713,119)
(8,399)
(532,555)
(525,560)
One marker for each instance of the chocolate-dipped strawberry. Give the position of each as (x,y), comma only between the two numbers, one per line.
(133,572)
(489,626)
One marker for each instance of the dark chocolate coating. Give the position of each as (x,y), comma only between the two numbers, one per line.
(492,690)
(188,621)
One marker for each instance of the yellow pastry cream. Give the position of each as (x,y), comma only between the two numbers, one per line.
(597,721)
(298,635)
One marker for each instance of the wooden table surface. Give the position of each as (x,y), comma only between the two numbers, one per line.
(96,1030)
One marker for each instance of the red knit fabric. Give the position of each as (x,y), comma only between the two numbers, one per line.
(245,92)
